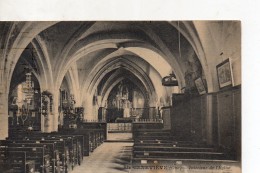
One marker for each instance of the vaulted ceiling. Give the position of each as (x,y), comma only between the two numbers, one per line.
(83,53)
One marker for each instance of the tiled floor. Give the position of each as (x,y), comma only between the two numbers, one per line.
(111,157)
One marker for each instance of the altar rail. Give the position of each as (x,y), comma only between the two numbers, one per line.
(94,121)
(148,120)
(119,127)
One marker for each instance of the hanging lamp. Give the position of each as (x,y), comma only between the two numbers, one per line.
(171,80)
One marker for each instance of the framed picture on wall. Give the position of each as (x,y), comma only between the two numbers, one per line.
(200,86)
(224,73)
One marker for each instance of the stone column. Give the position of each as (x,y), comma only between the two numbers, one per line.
(55,111)
(50,123)
(47,118)
(3,112)
(90,110)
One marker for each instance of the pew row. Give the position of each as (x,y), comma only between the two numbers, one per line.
(15,162)
(151,145)
(56,152)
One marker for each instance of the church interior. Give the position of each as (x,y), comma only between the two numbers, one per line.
(120,96)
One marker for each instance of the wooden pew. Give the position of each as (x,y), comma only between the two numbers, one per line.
(42,154)
(181,154)
(172,149)
(167,143)
(184,151)
(157,144)
(23,159)
(74,143)
(176,164)
(67,147)
(92,138)
(147,125)
(52,148)
(151,132)
(13,161)
(99,127)
(64,157)
(95,133)
(64,148)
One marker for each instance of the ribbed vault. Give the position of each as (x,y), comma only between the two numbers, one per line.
(85,52)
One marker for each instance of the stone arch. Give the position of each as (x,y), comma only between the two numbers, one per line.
(19,38)
(73,86)
(106,92)
(88,92)
(126,64)
(94,47)
(188,30)
(43,60)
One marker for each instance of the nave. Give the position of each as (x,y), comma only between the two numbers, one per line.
(66,86)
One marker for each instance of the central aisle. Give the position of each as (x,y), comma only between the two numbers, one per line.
(110,157)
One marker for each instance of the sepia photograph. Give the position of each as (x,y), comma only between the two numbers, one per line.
(120,96)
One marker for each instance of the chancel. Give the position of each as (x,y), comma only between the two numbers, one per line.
(120,96)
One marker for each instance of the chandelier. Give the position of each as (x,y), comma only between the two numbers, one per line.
(28,87)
